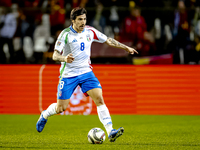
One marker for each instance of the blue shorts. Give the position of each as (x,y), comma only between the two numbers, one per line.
(86,81)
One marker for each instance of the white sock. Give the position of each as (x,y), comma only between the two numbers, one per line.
(51,110)
(104,117)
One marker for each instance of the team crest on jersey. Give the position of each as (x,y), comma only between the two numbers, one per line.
(88,38)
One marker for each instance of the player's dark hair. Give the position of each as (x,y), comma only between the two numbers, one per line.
(77,12)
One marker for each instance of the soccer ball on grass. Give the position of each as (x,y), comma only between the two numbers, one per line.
(96,136)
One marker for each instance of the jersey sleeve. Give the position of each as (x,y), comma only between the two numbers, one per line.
(98,36)
(60,42)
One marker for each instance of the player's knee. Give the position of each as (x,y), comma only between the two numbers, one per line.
(99,100)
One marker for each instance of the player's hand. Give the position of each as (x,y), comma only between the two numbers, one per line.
(132,51)
(69,58)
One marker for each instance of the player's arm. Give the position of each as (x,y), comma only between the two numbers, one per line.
(58,57)
(112,42)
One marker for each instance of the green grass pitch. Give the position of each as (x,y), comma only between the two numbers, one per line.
(142,132)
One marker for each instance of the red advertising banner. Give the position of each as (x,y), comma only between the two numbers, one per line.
(127,89)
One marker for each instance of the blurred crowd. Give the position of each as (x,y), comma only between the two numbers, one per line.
(29,28)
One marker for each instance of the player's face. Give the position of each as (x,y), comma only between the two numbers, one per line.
(79,23)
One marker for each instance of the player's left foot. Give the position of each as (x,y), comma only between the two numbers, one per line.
(41,123)
(114,134)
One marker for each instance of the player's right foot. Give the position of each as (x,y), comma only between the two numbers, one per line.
(41,123)
(114,134)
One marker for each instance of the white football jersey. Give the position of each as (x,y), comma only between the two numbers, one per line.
(79,44)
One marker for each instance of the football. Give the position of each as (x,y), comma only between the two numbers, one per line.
(96,136)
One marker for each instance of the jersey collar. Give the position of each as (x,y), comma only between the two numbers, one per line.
(71,28)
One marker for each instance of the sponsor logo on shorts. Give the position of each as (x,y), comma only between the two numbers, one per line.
(60,93)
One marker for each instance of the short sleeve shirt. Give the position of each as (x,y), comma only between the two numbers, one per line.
(79,44)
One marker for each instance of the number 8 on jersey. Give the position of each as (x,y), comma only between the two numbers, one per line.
(82,46)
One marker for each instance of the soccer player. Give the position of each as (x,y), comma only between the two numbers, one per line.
(72,49)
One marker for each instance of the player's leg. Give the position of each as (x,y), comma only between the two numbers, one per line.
(65,91)
(104,115)
(56,108)
(90,85)
(102,110)
(53,109)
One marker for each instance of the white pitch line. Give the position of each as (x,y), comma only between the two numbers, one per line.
(40,87)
